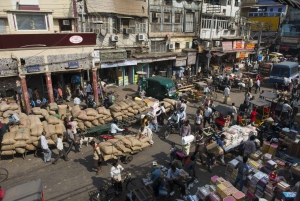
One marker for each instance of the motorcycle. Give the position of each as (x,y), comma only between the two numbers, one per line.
(91,102)
(172,127)
(108,136)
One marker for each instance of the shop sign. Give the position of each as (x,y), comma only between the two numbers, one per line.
(289,40)
(250,46)
(118,64)
(227,45)
(32,69)
(73,64)
(242,55)
(179,63)
(76,39)
(238,45)
(285,48)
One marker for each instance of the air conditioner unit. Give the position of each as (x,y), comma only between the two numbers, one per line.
(115,38)
(141,37)
(157,15)
(128,31)
(96,31)
(171,46)
(217,43)
(206,44)
(66,22)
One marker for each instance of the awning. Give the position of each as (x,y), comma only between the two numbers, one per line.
(123,17)
(119,64)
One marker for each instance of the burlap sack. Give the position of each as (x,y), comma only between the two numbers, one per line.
(4,107)
(103,110)
(54,138)
(49,129)
(134,141)
(36,130)
(136,148)
(50,141)
(95,122)
(109,149)
(130,109)
(171,101)
(115,107)
(128,102)
(135,106)
(32,139)
(59,129)
(13,128)
(7,147)
(116,114)
(90,118)
(109,157)
(141,103)
(37,143)
(44,112)
(105,143)
(118,144)
(144,139)
(53,120)
(130,114)
(123,105)
(124,116)
(101,121)
(88,124)
(20,150)
(81,125)
(82,115)
(9,138)
(99,116)
(62,109)
(13,106)
(40,116)
(34,121)
(20,143)
(53,106)
(108,119)
(8,153)
(119,118)
(91,112)
(145,145)
(23,115)
(135,112)
(76,111)
(1,113)
(124,111)
(125,141)
(24,123)
(6,113)
(36,110)
(5,120)
(30,147)
(22,134)
(52,112)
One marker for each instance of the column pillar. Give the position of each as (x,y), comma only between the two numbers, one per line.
(49,87)
(95,85)
(25,93)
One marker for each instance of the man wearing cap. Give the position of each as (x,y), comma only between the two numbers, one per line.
(156,172)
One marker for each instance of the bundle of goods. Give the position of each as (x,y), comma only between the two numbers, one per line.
(127,108)
(6,110)
(231,170)
(269,167)
(256,155)
(52,108)
(41,113)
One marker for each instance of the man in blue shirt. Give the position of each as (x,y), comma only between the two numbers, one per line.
(220,142)
(173,177)
(156,172)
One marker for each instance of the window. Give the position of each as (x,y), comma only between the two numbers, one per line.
(177,18)
(65,25)
(158,46)
(177,46)
(229,2)
(236,3)
(285,72)
(142,28)
(189,22)
(271,9)
(232,32)
(275,71)
(125,23)
(156,17)
(168,2)
(30,21)
(167,17)
(187,44)
(114,25)
(279,10)
(2,26)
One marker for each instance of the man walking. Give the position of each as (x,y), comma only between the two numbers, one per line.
(71,140)
(226,94)
(44,144)
(207,115)
(257,85)
(68,93)
(60,148)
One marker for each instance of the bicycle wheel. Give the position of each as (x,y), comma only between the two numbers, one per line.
(110,193)
(132,184)
(3,174)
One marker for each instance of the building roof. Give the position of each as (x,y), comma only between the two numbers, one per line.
(155,55)
(123,7)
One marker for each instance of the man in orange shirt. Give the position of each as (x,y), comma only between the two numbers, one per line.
(60,93)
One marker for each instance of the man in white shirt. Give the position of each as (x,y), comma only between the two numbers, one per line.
(60,148)
(77,101)
(88,89)
(233,112)
(207,115)
(162,115)
(286,108)
(257,86)
(226,94)
(183,105)
(250,84)
(206,89)
(44,144)
(182,117)
(114,129)
(286,82)
(115,174)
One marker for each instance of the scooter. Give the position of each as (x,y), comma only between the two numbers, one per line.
(172,127)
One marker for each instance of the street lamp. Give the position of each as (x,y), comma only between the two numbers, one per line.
(99,22)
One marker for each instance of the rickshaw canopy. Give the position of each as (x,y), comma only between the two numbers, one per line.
(260,103)
(223,110)
(269,95)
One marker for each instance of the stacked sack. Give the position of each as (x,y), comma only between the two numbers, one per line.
(53,126)
(104,115)
(170,101)
(127,108)
(6,109)
(52,108)
(36,129)
(8,142)
(41,113)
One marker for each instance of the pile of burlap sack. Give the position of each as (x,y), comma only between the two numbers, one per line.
(121,145)
(127,108)
(90,117)
(169,104)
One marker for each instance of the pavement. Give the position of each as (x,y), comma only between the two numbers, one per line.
(72,180)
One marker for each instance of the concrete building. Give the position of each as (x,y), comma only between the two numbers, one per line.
(40,48)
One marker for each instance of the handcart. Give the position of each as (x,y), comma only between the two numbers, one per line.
(263,108)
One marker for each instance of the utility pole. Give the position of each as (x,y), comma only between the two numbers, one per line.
(210,40)
(82,17)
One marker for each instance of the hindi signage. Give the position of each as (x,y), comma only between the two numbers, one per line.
(238,45)
(227,45)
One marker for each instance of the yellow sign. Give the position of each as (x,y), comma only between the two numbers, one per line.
(241,55)
(269,23)
(250,46)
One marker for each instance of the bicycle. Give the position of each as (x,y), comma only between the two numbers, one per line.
(3,174)
(108,192)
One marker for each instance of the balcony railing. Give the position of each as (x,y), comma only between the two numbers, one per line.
(264,14)
(291,34)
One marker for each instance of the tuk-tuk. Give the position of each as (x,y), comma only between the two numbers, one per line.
(221,116)
(30,191)
(270,97)
(161,87)
(263,109)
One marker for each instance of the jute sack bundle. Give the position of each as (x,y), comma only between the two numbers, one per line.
(20,143)
(48,128)
(20,150)
(101,121)
(62,109)
(135,106)
(54,138)
(22,134)
(24,123)
(136,148)
(123,105)
(50,141)
(37,143)
(53,106)
(40,116)
(140,110)
(128,102)
(103,110)
(95,122)
(76,111)
(88,124)
(125,141)
(110,150)
(37,130)
(124,116)
(124,111)
(119,145)
(32,139)
(171,101)
(108,157)
(52,112)
(81,125)
(34,121)
(30,147)
(6,113)
(1,113)
(9,138)
(90,118)
(14,106)
(130,109)
(5,120)
(115,107)
(4,107)
(7,147)
(36,110)
(119,118)
(135,111)
(140,103)
(134,141)
(8,153)
(108,119)
(144,139)
(116,114)
(91,112)
(82,115)
(99,116)
(59,129)
(14,128)
(145,144)
(130,114)
(53,120)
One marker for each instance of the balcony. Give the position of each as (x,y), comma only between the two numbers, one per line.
(249,2)
(291,34)
(265,14)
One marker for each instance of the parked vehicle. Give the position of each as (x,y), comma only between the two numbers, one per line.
(282,70)
(161,87)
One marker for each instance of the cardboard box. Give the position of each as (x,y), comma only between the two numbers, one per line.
(239,196)
(184,174)
(220,188)
(220,180)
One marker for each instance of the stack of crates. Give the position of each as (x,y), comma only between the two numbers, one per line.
(136,79)
(120,81)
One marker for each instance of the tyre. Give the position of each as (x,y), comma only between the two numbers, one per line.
(110,193)
(167,133)
(128,159)
(3,174)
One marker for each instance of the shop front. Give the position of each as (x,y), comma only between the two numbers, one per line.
(179,65)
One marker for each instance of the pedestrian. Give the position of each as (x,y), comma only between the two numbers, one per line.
(60,148)
(142,93)
(74,125)
(207,115)
(154,123)
(88,89)
(295,104)
(226,94)
(278,108)
(98,90)
(80,93)
(233,112)
(250,84)
(243,172)
(97,157)
(200,146)
(178,105)
(30,93)
(286,82)
(185,129)
(182,118)
(286,173)
(198,120)
(183,105)
(71,140)
(146,132)
(173,177)
(60,94)
(159,186)
(173,150)
(44,144)
(286,109)
(226,79)
(189,167)
(253,116)
(220,142)
(36,95)
(204,98)
(116,175)
(68,93)
(249,146)
(163,114)
(209,156)
(257,85)
(104,88)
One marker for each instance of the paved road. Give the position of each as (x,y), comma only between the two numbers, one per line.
(73,179)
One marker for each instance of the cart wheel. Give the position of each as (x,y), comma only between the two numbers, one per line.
(128,159)
(166,133)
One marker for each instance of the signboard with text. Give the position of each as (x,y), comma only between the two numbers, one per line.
(238,45)
(289,40)
(73,64)
(32,69)
(227,45)
(250,46)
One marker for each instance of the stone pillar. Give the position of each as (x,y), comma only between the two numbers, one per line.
(25,94)
(49,87)
(95,85)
